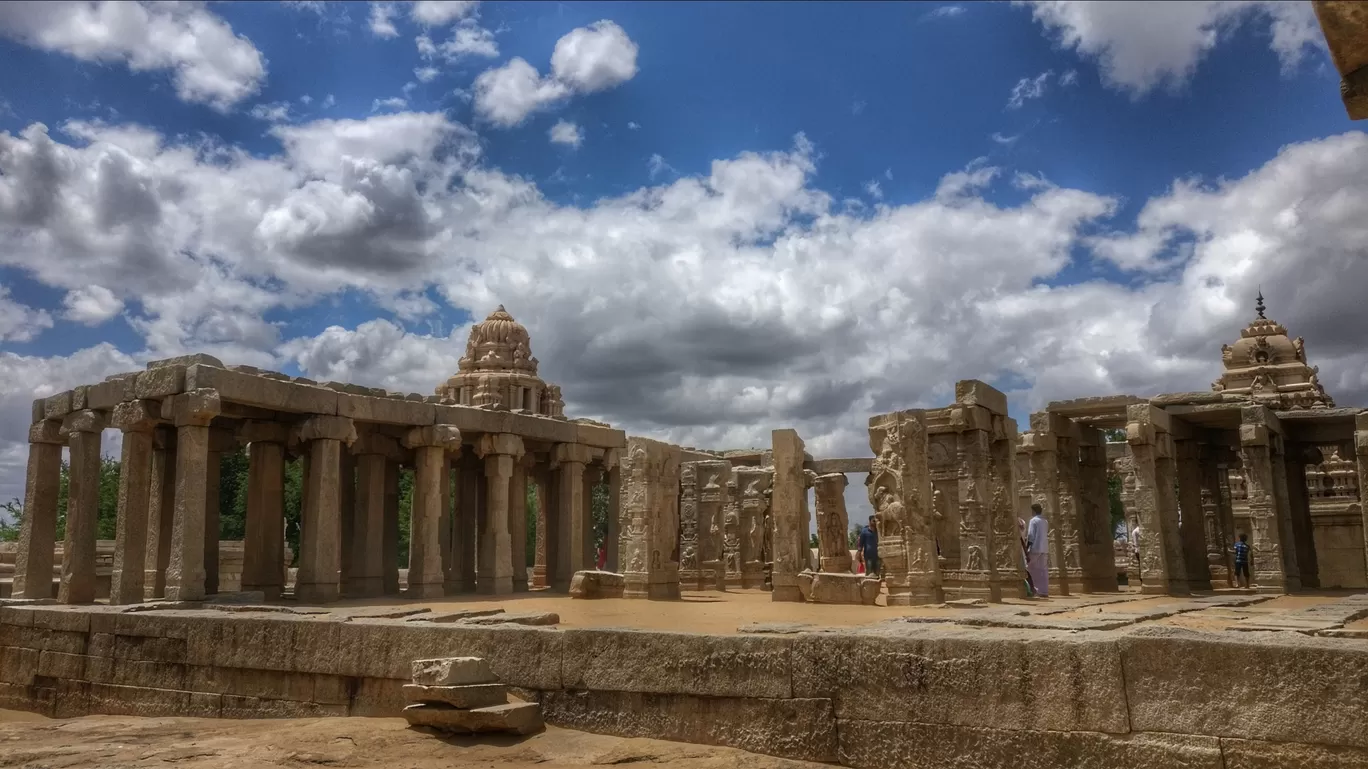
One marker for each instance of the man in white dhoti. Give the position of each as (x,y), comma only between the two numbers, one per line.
(1038,551)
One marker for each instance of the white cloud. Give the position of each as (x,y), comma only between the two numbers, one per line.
(567,133)
(585,60)
(1069,78)
(19,322)
(439,13)
(944,12)
(306,100)
(382,20)
(392,103)
(469,39)
(1028,88)
(858,106)
(888,173)
(656,166)
(1140,46)
(313,6)
(426,74)
(1001,138)
(329,102)
(274,112)
(633,125)
(209,64)
(873,190)
(91,305)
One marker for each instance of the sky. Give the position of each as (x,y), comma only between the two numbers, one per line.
(715,219)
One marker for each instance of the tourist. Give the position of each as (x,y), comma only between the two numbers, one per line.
(602,557)
(1242,561)
(1135,551)
(1025,559)
(1038,551)
(868,545)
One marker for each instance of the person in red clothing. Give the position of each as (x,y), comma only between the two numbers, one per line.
(602,557)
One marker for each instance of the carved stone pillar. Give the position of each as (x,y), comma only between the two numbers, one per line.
(1009,569)
(1099,561)
(465,534)
(263,546)
(573,525)
(320,539)
(1225,511)
(899,487)
(389,556)
(161,511)
(652,502)
(1156,502)
(221,440)
(753,488)
(430,445)
(1042,444)
(702,486)
(137,420)
(1273,560)
(346,516)
(193,411)
(82,430)
(990,550)
(1192,517)
(788,502)
(38,534)
(517,520)
(540,555)
(451,582)
(500,453)
(613,538)
(833,524)
(373,453)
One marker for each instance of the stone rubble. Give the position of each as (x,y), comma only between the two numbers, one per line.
(461,695)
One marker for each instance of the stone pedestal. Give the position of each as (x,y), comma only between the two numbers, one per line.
(788,508)
(193,411)
(82,429)
(137,420)
(652,505)
(430,446)
(38,534)
(320,540)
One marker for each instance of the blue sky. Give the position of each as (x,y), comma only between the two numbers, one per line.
(715,218)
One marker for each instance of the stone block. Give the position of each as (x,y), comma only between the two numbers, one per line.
(149,675)
(676,663)
(452,671)
(972,392)
(519,655)
(869,591)
(1030,680)
(1251,754)
(263,392)
(196,407)
(517,718)
(882,744)
(159,383)
(84,421)
(60,665)
(447,437)
(837,588)
(467,696)
(805,579)
(18,666)
(329,428)
(378,698)
(39,412)
(801,729)
(1282,687)
(57,406)
(149,649)
(46,432)
(596,584)
(67,642)
(599,436)
(186,360)
(365,408)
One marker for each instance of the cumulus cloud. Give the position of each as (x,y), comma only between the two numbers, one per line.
(587,59)
(382,20)
(567,133)
(209,64)
(1141,46)
(19,322)
(392,103)
(275,112)
(437,13)
(1028,88)
(91,305)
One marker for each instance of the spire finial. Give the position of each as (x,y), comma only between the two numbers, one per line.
(1259,304)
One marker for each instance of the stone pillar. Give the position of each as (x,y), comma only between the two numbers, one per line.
(1156,502)
(263,546)
(652,502)
(1009,568)
(1099,559)
(1297,457)
(1042,445)
(1273,560)
(447,528)
(346,504)
(430,445)
(613,538)
(193,411)
(161,511)
(137,420)
(833,524)
(1192,517)
(701,494)
(753,489)
(38,534)
(389,556)
(220,441)
(517,520)
(1218,534)
(990,544)
(373,453)
(787,505)
(320,538)
(465,534)
(500,452)
(572,524)
(899,487)
(82,430)
(539,565)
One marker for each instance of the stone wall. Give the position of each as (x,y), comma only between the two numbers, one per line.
(910,696)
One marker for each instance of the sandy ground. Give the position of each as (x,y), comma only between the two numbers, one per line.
(32,741)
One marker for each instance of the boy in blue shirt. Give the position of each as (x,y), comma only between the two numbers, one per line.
(1242,561)
(868,547)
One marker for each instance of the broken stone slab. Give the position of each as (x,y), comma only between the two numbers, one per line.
(597,584)
(198,358)
(515,717)
(840,588)
(452,671)
(456,616)
(381,612)
(524,618)
(776,628)
(466,697)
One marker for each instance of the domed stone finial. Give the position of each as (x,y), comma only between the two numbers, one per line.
(499,371)
(1259,304)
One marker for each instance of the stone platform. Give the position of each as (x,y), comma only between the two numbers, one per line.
(1102,681)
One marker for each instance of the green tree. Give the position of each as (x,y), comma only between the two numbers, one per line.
(14,511)
(532,503)
(233,495)
(853,536)
(294,499)
(405,514)
(1118,511)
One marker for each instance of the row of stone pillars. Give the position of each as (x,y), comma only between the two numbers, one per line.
(166,542)
(566,485)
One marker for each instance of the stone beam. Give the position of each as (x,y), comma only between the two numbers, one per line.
(842,465)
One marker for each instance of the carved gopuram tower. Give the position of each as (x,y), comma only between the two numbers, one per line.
(498,371)
(1268,368)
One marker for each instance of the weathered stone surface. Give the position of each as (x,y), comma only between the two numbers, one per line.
(466,696)
(1252,754)
(676,663)
(837,588)
(802,729)
(515,717)
(57,406)
(514,618)
(260,391)
(882,744)
(365,408)
(1279,687)
(869,591)
(1024,680)
(455,616)
(596,584)
(972,392)
(160,383)
(452,671)
(186,360)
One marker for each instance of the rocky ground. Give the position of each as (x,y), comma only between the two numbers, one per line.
(115,742)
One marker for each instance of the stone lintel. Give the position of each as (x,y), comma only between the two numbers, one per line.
(1101,406)
(447,437)
(1145,414)
(160,383)
(328,428)
(972,392)
(196,407)
(46,431)
(1198,398)
(385,410)
(1054,424)
(841,465)
(255,431)
(611,458)
(1260,415)
(39,410)
(115,389)
(57,406)
(570,452)
(970,417)
(1033,442)
(136,416)
(186,360)
(498,443)
(262,391)
(372,442)
(84,421)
